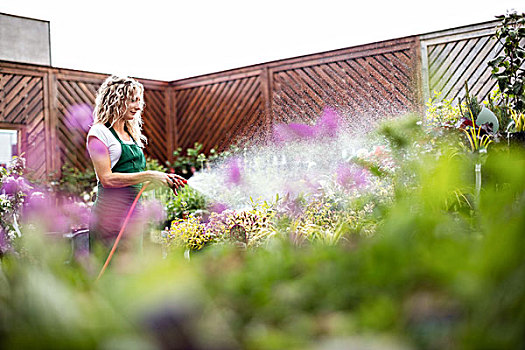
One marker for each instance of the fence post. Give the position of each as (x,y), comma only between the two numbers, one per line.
(266,94)
(51,124)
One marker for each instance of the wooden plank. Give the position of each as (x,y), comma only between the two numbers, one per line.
(363,78)
(17,93)
(385,86)
(340,90)
(300,97)
(450,37)
(345,57)
(477,80)
(197,82)
(353,87)
(425,83)
(210,116)
(10,82)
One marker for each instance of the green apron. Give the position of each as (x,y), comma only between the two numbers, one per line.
(112,204)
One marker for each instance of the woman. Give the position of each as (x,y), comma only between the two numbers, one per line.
(115,143)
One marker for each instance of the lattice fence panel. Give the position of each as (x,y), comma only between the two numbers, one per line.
(72,128)
(453,63)
(215,114)
(155,126)
(22,102)
(374,86)
(457,56)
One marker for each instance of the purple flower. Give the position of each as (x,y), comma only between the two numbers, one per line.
(9,185)
(292,132)
(23,185)
(153,211)
(217,207)
(79,116)
(301,131)
(328,124)
(351,176)
(12,185)
(43,212)
(76,213)
(233,171)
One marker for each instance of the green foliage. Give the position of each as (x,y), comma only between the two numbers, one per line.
(246,228)
(507,68)
(188,233)
(189,202)
(192,161)
(75,183)
(433,275)
(154,164)
(497,104)
(441,112)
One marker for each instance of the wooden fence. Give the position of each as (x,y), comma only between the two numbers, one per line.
(364,83)
(372,80)
(36,100)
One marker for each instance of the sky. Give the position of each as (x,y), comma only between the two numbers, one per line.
(170,40)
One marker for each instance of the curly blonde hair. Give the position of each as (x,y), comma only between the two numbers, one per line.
(112,102)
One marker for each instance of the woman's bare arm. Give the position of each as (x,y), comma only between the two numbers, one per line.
(101,161)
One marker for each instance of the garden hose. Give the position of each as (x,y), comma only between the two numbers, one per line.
(121,231)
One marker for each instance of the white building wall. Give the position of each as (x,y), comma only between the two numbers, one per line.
(24,40)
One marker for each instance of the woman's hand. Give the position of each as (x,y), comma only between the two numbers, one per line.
(173,181)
